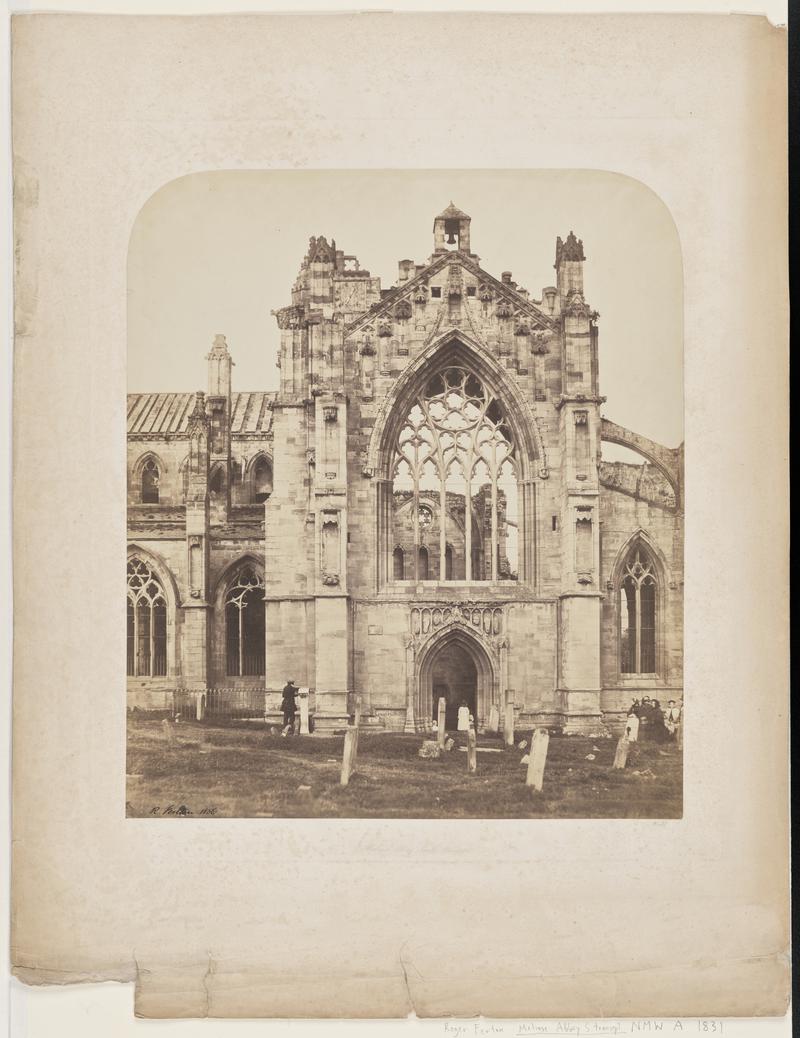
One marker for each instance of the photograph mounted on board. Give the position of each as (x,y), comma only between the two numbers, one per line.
(405,539)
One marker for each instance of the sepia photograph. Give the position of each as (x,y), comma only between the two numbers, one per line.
(393,548)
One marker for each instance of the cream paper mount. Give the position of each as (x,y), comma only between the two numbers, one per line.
(372,918)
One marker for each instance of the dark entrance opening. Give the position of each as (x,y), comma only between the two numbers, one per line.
(455,677)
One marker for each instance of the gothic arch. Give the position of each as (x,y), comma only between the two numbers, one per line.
(251,468)
(458,348)
(227,574)
(170,588)
(482,656)
(640,536)
(661,573)
(225,581)
(137,472)
(162,571)
(148,455)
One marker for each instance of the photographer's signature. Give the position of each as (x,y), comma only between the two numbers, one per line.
(172,811)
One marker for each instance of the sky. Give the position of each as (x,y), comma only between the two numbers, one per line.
(216,252)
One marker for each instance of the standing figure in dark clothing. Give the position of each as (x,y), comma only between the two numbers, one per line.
(289,707)
(658,730)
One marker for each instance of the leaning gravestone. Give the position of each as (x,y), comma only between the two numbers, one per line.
(621,756)
(349,755)
(168,729)
(508,726)
(494,719)
(441,721)
(472,752)
(538,755)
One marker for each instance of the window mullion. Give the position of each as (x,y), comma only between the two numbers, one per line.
(442,523)
(494,518)
(135,638)
(468,518)
(241,637)
(638,658)
(415,506)
(151,661)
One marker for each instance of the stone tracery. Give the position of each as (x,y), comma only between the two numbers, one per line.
(455,445)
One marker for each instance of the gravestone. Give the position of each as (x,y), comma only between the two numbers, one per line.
(168,728)
(621,756)
(472,752)
(494,719)
(441,721)
(508,725)
(303,696)
(349,755)
(200,705)
(537,757)
(632,728)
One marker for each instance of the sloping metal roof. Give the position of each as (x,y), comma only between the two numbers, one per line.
(168,413)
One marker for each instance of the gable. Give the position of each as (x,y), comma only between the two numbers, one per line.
(499,294)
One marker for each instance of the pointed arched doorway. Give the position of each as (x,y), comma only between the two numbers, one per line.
(456,665)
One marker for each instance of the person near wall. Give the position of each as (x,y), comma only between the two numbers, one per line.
(289,705)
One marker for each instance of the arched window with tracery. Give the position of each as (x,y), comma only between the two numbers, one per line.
(244,625)
(637,602)
(455,451)
(147,622)
(149,479)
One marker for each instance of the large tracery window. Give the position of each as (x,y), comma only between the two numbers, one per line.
(147,622)
(454,492)
(638,614)
(244,625)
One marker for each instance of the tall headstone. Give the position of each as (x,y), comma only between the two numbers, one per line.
(303,696)
(200,706)
(472,752)
(349,755)
(168,728)
(441,720)
(508,725)
(537,757)
(621,756)
(494,719)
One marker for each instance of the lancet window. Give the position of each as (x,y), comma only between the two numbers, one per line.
(150,480)
(245,625)
(638,592)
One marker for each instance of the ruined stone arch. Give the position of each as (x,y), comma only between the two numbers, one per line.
(668,461)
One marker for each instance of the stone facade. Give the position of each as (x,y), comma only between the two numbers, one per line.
(555,581)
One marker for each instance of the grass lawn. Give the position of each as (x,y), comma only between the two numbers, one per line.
(240,770)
